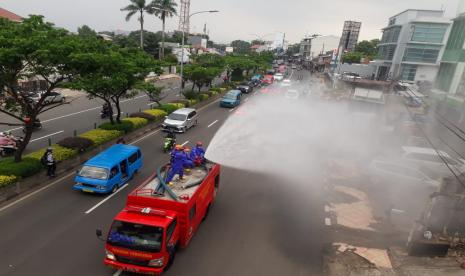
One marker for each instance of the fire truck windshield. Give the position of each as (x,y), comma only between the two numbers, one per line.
(136,236)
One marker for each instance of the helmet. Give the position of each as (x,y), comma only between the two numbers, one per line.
(49,149)
(199,144)
(178,147)
(187,149)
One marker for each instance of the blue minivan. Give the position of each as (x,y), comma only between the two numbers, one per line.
(109,170)
(231,99)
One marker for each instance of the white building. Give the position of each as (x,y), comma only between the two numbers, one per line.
(412,45)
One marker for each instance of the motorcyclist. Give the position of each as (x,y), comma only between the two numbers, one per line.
(106,108)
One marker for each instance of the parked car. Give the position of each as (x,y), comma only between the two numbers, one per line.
(348,76)
(231,99)
(245,87)
(181,120)
(433,159)
(294,66)
(53,97)
(278,77)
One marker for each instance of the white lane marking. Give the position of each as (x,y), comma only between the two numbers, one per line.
(35,192)
(327,221)
(73,173)
(185,143)
(58,132)
(292,73)
(327,209)
(106,199)
(216,121)
(231,110)
(118,272)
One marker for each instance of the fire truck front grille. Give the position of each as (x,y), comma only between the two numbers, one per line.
(132,261)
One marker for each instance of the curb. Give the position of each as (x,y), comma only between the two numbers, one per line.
(39,180)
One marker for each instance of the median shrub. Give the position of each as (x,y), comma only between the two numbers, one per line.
(60,153)
(203,97)
(124,126)
(136,122)
(215,89)
(77,143)
(157,113)
(193,102)
(101,136)
(184,102)
(6,180)
(144,115)
(168,108)
(27,167)
(213,93)
(177,105)
(191,95)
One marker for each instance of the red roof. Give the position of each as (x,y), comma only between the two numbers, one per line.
(10,16)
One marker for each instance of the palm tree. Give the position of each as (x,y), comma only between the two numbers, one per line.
(163,9)
(137,6)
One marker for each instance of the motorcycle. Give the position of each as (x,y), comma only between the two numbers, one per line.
(168,144)
(35,126)
(9,135)
(7,146)
(104,113)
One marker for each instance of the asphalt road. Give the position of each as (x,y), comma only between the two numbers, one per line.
(81,115)
(258,225)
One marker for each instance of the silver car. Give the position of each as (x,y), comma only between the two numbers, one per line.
(52,97)
(181,120)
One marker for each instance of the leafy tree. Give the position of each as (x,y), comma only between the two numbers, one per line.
(241,46)
(33,49)
(352,57)
(258,42)
(112,73)
(163,9)
(151,41)
(125,41)
(368,48)
(86,32)
(153,92)
(137,6)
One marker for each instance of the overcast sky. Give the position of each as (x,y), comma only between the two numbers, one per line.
(238,19)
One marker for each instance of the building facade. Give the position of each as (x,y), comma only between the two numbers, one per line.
(305,48)
(412,45)
(350,34)
(10,16)
(451,76)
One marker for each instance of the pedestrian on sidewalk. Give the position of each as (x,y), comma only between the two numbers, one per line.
(49,160)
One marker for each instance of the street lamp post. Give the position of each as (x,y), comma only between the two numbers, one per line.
(182,48)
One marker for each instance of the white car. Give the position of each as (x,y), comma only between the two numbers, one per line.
(181,120)
(292,94)
(286,83)
(278,77)
(435,160)
(52,97)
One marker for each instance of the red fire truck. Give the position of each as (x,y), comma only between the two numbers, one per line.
(158,219)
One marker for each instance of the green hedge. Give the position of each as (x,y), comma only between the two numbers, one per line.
(60,153)
(136,122)
(184,102)
(193,102)
(78,143)
(6,180)
(177,105)
(203,96)
(124,126)
(144,115)
(157,113)
(215,89)
(27,167)
(101,136)
(168,108)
